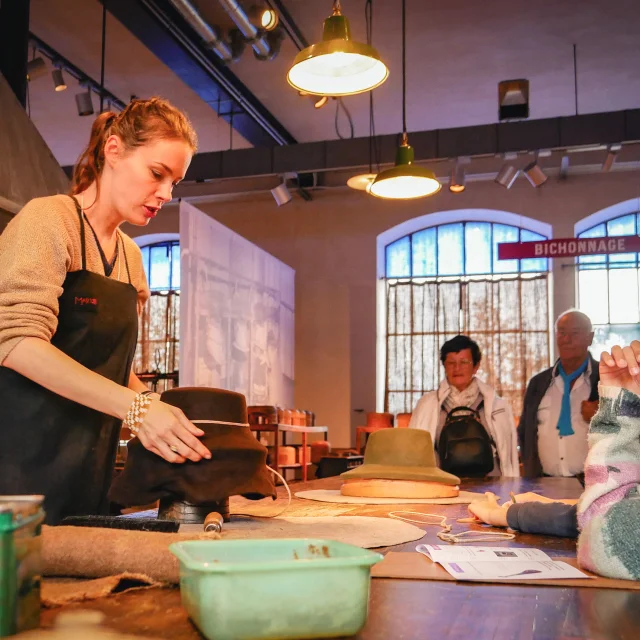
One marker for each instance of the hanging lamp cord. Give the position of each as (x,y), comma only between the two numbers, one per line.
(373,145)
(337,9)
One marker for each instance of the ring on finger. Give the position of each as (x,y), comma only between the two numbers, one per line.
(173,448)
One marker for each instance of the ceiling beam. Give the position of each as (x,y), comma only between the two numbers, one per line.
(485,140)
(491,139)
(167,35)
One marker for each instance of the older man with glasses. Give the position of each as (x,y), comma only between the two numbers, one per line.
(461,358)
(559,404)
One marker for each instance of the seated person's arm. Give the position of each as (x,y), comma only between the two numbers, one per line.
(543,518)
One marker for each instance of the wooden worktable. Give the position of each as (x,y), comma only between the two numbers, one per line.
(420,609)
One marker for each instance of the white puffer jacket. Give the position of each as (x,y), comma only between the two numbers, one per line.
(498,416)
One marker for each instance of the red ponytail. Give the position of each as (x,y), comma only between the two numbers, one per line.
(142,121)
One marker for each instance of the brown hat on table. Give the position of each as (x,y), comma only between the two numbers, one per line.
(401,454)
(238,464)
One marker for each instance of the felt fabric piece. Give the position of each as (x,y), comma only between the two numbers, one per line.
(401,454)
(334,495)
(56,593)
(414,566)
(362,531)
(237,466)
(87,552)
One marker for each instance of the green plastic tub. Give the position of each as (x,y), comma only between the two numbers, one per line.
(275,589)
(20,522)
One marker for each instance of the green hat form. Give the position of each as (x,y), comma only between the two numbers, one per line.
(401,454)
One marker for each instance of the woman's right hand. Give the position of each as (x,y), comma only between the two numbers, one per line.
(621,367)
(167,432)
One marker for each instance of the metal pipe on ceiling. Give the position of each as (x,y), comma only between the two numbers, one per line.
(258,41)
(209,34)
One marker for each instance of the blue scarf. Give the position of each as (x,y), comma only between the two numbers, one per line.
(564,423)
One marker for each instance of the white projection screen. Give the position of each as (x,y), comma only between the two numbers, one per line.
(236,313)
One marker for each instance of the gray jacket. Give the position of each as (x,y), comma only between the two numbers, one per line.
(528,427)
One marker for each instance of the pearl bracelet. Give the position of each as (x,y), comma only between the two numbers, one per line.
(137,412)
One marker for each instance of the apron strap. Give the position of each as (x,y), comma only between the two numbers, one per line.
(84,254)
(124,253)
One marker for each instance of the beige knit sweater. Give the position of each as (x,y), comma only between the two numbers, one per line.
(37,250)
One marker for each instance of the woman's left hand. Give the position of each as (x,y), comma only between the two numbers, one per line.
(489,511)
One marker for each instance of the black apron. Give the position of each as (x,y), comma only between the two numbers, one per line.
(50,445)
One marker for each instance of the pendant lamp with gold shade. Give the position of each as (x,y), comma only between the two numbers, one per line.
(405,180)
(337,66)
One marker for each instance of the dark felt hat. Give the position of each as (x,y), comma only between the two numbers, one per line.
(238,464)
(401,454)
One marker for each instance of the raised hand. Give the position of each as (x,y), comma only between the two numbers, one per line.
(621,367)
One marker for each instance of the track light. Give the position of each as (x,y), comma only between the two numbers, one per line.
(281,194)
(564,167)
(535,175)
(609,160)
(263,17)
(36,68)
(507,176)
(457,179)
(84,103)
(362,182)
(58,80)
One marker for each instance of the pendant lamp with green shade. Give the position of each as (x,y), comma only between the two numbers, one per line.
(405,180)
(337,66)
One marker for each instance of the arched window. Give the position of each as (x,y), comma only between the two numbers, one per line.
(608,285)
(446,279)
(157,354)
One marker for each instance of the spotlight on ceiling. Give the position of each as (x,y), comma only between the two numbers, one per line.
(281,194)
(361,182)
(507,176)
(457,179)
(263,17)
(84,103)
(535,175)
(609,159)
(513,99)
(58,80)
(36,68)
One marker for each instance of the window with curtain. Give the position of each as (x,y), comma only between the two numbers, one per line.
(608,286)
(446,280)
(158,351)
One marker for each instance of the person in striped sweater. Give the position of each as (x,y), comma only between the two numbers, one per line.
(609,509)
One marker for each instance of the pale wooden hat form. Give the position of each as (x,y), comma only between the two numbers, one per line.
(400,463)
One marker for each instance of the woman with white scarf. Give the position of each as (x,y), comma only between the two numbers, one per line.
(461,359)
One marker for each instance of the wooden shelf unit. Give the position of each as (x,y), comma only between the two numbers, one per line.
(289,428)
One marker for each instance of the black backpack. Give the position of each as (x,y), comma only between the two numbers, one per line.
(465,447)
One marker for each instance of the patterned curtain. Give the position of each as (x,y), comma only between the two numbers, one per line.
(158,351)
(506,316)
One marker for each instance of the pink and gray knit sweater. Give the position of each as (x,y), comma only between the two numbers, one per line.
(609,509)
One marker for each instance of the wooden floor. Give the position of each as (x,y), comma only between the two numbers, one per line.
(417,609)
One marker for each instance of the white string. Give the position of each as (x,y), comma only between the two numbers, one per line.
(230,424)
(275,515)
(446,536)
